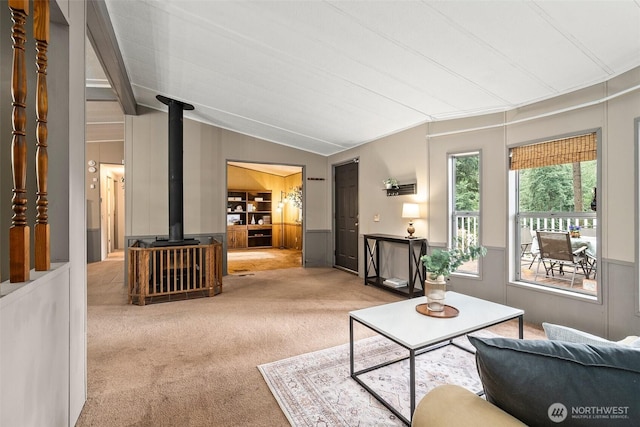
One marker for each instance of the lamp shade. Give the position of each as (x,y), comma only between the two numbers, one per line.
(410,210)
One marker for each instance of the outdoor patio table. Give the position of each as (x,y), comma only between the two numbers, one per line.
(591,242)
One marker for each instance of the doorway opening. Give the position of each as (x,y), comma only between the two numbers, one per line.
(112,210)
(264,217)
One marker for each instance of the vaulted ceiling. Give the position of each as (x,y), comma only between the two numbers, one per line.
(325,76)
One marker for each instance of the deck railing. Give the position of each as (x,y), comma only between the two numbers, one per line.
(467,224)
(467,230)
(158,273)
(560,221)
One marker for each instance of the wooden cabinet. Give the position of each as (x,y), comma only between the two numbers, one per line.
(249,219)
(237,237)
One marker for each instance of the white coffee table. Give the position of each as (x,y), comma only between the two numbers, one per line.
(402,324)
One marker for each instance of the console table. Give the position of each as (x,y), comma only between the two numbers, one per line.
(416,248)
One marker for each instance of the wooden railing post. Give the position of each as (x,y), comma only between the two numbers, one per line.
(143,276)
(42,233)
(19,262)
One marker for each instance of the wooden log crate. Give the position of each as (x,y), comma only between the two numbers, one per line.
(159,274)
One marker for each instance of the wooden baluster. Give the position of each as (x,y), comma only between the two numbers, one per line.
(19,262)
(190,266)
(175,269)
(144,275)
(42,233)
(209,278)
(132,273)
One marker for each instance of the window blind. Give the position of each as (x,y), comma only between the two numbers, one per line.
(580,148)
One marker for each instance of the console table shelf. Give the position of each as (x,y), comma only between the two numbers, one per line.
(416,248)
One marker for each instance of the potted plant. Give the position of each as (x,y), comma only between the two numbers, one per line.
(439,265)
(390,183)
(574,230)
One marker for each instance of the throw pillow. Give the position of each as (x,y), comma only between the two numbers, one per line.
(635,343)
(546,382)
(564,333)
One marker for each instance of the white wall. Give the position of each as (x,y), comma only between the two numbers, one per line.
(35,352)
(401,156)
(206,151)
(77,214)
(99,152)
(422,152)
(420,155)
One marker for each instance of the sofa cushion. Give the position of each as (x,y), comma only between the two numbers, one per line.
(564,333)
(453,405)
(540,381)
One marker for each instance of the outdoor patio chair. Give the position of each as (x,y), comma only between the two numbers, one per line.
(533,246)
(556,252)
(526,245)
(525,242)
(591,263)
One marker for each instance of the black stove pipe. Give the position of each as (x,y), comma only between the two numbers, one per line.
(176,163)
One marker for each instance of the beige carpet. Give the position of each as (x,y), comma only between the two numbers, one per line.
(194,362)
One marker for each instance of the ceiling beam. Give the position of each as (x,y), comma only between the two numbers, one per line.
(100,94)
(103,39)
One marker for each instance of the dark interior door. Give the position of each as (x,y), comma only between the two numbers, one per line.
(346,204)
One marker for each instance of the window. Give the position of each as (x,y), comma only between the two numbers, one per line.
(465,205)
(556,185)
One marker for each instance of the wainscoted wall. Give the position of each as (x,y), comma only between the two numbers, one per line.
(617,279)
(318,247)
(604,318)
(315,249)
(36,340)
(93,245)
(489,285)
(546,305)
(621,297)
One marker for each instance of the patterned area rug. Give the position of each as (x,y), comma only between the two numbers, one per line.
(315,389)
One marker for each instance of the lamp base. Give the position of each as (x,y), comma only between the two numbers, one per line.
(411,230)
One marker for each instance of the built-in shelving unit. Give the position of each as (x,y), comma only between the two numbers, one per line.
(249,219)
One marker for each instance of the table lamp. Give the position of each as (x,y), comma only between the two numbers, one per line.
(411,211)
